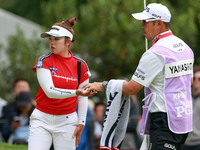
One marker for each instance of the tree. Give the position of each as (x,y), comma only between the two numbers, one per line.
(22,54)
(106,35)
(27,9)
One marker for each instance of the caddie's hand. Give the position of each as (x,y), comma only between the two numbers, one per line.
(85,92)
(96,86)
(77,133)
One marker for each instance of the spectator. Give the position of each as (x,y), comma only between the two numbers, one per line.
(20,123)
(99,110)
(21,85)
(2,104)
(11,109)
(193,139)
(87,137)
(132,140)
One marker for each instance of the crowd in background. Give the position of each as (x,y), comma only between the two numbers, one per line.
(14,122)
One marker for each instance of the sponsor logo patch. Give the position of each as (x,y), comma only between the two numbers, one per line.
(139,70)
(54,28)
(53,69)
(39,64)
(170,146)
(139,76)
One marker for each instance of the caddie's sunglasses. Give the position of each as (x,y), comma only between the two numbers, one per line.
(144,22)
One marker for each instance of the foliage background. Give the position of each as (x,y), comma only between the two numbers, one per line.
(106,36)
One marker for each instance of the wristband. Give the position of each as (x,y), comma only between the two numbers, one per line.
(104,84)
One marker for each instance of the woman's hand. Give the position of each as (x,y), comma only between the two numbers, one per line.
(88,93)
(77,133)
(90,89)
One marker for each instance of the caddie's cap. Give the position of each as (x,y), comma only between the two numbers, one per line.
(154,10)
(61,29)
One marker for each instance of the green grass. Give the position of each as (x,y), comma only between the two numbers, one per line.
(5,146)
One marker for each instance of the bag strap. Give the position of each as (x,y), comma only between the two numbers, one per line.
(79,71)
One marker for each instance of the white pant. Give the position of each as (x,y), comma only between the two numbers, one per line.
(46,128)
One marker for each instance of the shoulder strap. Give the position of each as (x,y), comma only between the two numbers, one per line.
(79,71)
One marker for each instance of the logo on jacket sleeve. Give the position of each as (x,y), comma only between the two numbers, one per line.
(139,74)
(39,64)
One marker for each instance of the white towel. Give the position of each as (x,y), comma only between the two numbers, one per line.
(145,142)
(116,116)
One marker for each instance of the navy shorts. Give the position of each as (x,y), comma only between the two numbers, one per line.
(161,137)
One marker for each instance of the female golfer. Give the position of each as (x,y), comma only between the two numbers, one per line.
(61,76)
